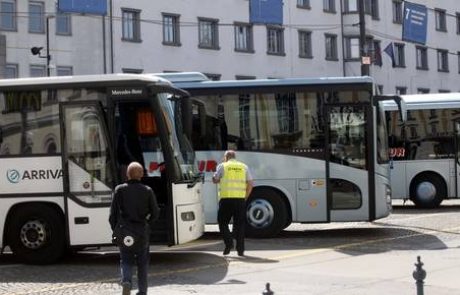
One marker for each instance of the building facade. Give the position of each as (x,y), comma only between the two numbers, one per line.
(229,39)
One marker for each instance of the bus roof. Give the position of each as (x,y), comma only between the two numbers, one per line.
(83,79)
(425,101)
(195,80)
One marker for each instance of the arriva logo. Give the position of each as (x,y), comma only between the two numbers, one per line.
(13,175)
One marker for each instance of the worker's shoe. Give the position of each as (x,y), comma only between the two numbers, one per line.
(227,249)
(126,288)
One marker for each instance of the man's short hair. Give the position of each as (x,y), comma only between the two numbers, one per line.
(135,171)
(230,154)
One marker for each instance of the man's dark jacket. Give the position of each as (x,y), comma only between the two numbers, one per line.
(138,204)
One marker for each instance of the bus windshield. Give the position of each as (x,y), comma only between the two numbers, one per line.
(183,151)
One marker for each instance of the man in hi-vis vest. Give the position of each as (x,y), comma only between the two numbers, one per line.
(235,185)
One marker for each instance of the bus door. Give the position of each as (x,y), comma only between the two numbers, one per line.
(87,171)
(347,161)
(457,157)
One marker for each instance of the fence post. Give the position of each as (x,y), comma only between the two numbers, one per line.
(267,290)
(419,275)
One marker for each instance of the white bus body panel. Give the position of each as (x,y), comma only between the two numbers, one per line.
(403,173)
(187,201)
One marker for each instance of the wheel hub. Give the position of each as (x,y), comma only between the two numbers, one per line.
(260,213)
(33,234)
(426,191)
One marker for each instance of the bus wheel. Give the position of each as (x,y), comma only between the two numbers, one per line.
(266,214)
(36,234)
(428,190)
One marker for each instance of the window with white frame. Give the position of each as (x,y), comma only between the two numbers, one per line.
(401,90)
(422,57)
(329,6)
(208,33)
(440,19)
(331,47)
(36,17)
(443,60)
(243,37)
(11,71)
(423,90)
(63,23)
(352,48)
(305,46)
(303,3)
(399,55)
(371,7)
(37,71)
(275,40)
(131,24)
(64,71)
(350,5)
(8,15)
(397,11)
(171,29)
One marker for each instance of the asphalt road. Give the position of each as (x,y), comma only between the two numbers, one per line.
(338,258)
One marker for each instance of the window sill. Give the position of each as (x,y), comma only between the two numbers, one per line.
(209,47)
(276,53)
(306,56)
(422,69)
(172,44)
(131,40)
(245,51)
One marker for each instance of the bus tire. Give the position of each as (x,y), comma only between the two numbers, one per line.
(36,234)
(427,190)
(266,214)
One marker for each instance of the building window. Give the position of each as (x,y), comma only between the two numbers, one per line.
(63,24)
(244,77)
(171,29)
(458,61)
(11,71)
(397,11)
(36,17)
(275,40)
(444,91)
(440,18)
(303,4)
(37,71)
(243,37)
(376,52)
(443,60)
(305,48)
(131,25)
(422,91)
(352,48)
(401,90)
(371,7)
(400,60)
(8,15)
(213,77)
(208,33)
(422,57)
(132,71)
(331,47)
(458,23)
(64,71)
(350,6)
(329,6)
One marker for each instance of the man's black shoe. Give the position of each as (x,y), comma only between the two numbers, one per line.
(126,288)
(240,253)
(227,250)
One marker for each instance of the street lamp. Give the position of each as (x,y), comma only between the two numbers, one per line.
(37,50)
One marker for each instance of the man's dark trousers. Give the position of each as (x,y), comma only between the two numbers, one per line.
(236,208)
(141,258)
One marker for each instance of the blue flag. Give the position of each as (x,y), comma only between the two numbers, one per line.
(389,50)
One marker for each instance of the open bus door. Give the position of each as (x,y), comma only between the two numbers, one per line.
(349,161)
(87,165)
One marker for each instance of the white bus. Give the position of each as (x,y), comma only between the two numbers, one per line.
(425,149)
(317,148)
(65,142)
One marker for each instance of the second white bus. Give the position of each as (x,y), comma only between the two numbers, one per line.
(317,147)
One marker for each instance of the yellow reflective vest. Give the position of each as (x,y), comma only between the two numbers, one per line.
(233,182)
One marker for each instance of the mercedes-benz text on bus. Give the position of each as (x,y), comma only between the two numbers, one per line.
(65,142)
(317,147)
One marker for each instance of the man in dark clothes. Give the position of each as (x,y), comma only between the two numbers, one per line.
(138,205)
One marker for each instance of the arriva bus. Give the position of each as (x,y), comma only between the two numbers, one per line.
(65,142)
(317,148)
(425,149)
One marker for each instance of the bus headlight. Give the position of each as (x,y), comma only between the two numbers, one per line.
(187,216)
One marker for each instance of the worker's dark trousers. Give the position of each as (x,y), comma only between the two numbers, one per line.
(236,208)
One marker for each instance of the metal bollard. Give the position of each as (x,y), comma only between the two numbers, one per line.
(419,275)
(267,290)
